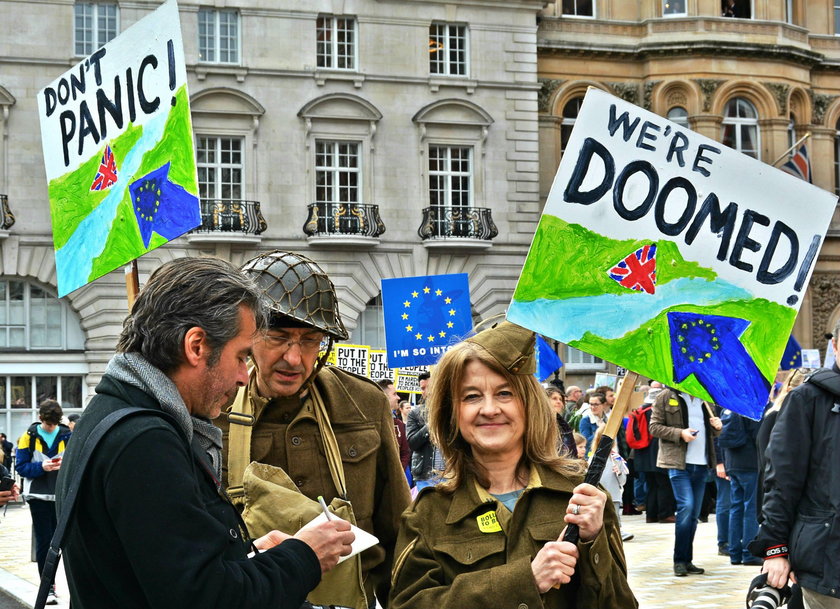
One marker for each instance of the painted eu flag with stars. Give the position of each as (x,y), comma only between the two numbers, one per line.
(424,316)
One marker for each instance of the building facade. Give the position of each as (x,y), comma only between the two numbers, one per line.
(756,75)
(382,138)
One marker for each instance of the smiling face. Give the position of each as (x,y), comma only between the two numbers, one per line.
(490,417)
(596,405)
(285,359)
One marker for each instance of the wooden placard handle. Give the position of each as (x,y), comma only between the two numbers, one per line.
(132,283)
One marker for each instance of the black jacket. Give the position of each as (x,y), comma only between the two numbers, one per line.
(150,528)
(802,485)
(420,443)
(738,441)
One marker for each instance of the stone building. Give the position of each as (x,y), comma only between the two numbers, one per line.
(382,138)
(756,75)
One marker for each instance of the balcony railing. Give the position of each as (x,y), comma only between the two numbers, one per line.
(231,216)
(335,219)
(7,218)
(458,222)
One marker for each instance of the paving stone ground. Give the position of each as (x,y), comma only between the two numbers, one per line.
(649,559)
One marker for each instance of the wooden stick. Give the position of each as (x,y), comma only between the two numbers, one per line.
(711,412)
(132,283)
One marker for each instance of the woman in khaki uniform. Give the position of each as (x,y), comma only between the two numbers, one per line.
(490,534)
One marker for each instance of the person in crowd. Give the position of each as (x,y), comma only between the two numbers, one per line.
(72,419)
(613,479)
(558,403)
(405,408)
(8,451)
(426,458)
(738,442)
(659,501)
(797,535)
(387,386)
(10,494)
(573,393)
(461,542)
(580,446)
(326,432)
(593,418)
(151,527)
(39,456)
(685,430)
(723,499)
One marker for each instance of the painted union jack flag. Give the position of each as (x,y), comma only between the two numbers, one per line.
(637,271)
(106,175)
(799,165)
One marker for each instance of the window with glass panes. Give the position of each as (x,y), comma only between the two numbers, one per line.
(673,7)
(371,327)
(220,167)
(570,112)
(337,172)
(32,318)
(837,158)
(740,127)
(336,42)
(448,49)
(94,24)
(679,116)
(579,360)
(450,176)
(21,394)
(218,35)
(580,8)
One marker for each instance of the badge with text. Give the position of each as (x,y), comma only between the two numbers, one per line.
(488,523)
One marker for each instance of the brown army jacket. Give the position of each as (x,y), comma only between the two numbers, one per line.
(449,556)
(669,417)
(286,435)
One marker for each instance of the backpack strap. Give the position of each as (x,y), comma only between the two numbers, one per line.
(76,474)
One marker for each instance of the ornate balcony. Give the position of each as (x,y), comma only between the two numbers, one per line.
(457,227)
(335,223)
(229,221)
(7,218)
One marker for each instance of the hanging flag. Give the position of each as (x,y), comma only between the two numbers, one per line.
(792,357)
(799,165)
(547,360)
(424,316)
(638,270)
(106,175)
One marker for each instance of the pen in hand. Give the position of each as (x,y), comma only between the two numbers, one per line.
(324,507)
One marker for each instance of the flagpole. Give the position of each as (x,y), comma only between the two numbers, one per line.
(791,149)
(132,282)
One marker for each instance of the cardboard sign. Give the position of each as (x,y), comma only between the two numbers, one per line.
(379,369)
(353,358)
(810,358)
(424,316)
(406,382)
(118,150)
(672,255)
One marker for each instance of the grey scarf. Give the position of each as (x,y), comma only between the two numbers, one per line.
(134,369)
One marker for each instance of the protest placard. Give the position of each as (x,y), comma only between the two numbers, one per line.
(353,358)
(810,358)
(406,382)
(379,369)
(672,255)
(118,151)
(424,316)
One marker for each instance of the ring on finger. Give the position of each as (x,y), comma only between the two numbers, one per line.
(575,509)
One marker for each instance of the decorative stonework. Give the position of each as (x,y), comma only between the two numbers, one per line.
(708,86)
(820,104)
(677,98)
(825,294)
(628,91)
(547,89)
(648,93)
(780,93)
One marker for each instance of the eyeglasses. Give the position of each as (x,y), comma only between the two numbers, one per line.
(284,343)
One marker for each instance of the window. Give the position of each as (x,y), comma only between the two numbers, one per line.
(679,116)
(579,8)
(740,127)
(837,158)
(21,394)
(336,37)
(371,328)
(448,49)
(791,131)
(450,176)
(837,17)
(94,25)
(31,318)
(337,172)
(218,36)
(578,360)
(789,11)
(673,7)
(220,168)
(570,112)
(740,9)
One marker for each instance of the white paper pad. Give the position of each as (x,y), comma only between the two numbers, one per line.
(363,541)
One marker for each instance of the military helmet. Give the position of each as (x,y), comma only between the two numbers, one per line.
(296,288)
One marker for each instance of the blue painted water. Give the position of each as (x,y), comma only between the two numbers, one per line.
(74,260)
(612,316)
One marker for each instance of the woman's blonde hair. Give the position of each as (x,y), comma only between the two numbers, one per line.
(442,400)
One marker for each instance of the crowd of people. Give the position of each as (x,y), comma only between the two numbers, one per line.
(249,466)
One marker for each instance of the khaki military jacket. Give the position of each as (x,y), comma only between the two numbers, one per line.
(451,552)
(286,435)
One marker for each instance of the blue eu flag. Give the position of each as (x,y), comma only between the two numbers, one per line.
(424,316)
(792,357)
(547,360)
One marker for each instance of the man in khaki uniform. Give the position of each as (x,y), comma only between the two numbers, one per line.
(297,415)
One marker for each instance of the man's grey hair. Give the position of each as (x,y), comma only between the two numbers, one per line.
(836,333)
(183,294)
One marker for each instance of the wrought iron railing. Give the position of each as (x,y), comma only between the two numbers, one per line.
(329,218)
(457,222)
(7,218)
(231,216)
